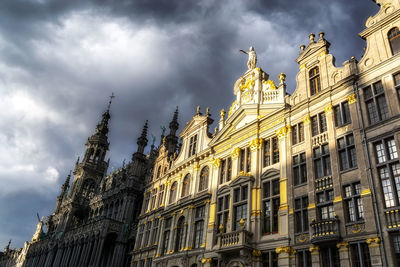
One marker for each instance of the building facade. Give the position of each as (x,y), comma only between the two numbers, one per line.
(308,179)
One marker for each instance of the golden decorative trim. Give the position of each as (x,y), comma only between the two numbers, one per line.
(373,242)
(282,132)
(306,120)
(196,167)
(256,253)
(230,109)
(356,228)
(343,246)
(328,109)
(366,192)
(322,55)
(311,206)
(291,211)
(206,260)
(256,144)
(271,84)
(235,153)
(249,83)
(337,199)
(287,249)
(302,67)
(215,162)
(352,99)
(303,238)
(314,249)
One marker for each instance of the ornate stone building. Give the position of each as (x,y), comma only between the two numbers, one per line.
(308,179)
(94,221)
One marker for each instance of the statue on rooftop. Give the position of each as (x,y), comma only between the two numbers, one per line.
(252,61)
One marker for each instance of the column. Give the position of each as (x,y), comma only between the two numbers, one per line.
(315,256)
(87,252)
(57,260)
(49,258)
(98,251)
(343,248)
(160,240)
(285,254)
(117,255)
(190,229)
(254,201)
(93,254)
(375,251)
(284,207)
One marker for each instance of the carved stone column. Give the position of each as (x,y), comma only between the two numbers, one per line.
(344,255)
(375,251)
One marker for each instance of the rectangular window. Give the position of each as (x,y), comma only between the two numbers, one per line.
(167,230)
(275,150)
(325,204)
(225,171)
(147,234)
(359,253)
(298,133)
(269,259)
(299,169)
(198,226)
(303,258)
(245,160)
(388,170)
(248,161)
(315,83)
(353,204)
(375,101)
(153,198)
(347,152)
(396,245)
(223,213)
(396,79)
(318,124)
(322,161)
(242,159)
(154,234)
(329,256)
(301,214)
(267,152)
(271,202)
(342,114)
(192,145)
(222,175)
(140,236)
(240,210)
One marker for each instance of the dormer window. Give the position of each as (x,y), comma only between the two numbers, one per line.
(394,40)
(315,83)
(192,145)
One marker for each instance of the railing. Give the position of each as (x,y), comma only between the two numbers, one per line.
(232,239)
(393,218)
(320,139)
(323,183)
(324,230)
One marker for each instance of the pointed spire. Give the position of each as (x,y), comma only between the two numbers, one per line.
(142,140)
(102,127)
(174,125)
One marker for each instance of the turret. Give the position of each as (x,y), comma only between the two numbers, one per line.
(142,140)
(171,139)
(138,158)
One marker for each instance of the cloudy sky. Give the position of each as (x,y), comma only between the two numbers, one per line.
(60,60)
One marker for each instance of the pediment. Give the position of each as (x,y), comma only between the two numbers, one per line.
(196,122)
(242,178)
(222,190)
(313,49)
(270,173)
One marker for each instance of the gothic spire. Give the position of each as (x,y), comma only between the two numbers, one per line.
(102,127)
(174,125)
(142,140)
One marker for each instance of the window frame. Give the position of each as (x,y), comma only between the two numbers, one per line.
(346,150)
(223,212)
(319,124)
(297,167)
(353,199)
(192,145)
(203,179)
(314,81)
(245,160)
(362,249)
(243,203)
(270,151)
(298,133)
(269,195)
(395,38)
(303,212)
(324,157)
(373,97)
(339,112)
(198,221)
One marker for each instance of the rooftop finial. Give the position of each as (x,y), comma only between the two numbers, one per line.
(198,110)
(109,102)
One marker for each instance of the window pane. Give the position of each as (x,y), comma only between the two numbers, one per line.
(392,149)
(380,152)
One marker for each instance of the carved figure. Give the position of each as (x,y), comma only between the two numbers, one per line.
(252,61)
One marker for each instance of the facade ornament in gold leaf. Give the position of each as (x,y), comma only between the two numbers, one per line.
(328,109)
(352,99)
(271,84)
(314,249)
(306,120)
(235,153)
(282,132)
(282,78)
(256,144)
(222,113)
(373,242)
(256,253)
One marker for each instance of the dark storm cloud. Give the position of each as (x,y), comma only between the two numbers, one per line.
(62,59)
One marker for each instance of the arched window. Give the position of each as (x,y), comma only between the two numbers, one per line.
(180,234)
(203,183)
(158,172)
(172,195)
(186,185)
(394,40)
(315,83)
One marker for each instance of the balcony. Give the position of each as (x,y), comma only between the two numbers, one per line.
(320,139)
(234,240)
(325,230)
(393,219)
(323,183)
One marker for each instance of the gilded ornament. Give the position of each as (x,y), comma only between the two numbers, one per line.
(196,167)
(256,253)
(303,238)
(356,228)
(282,132)
(248,84)
(287,249)
(352,99)
(342,245)
(366,192)
(282,77)
(302,67)
(373,242)
(322,55)
(231,108)
(235,153)
(270,84)
(314,249)
(306,120)
(256,144)
(328,109)
(222,113)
